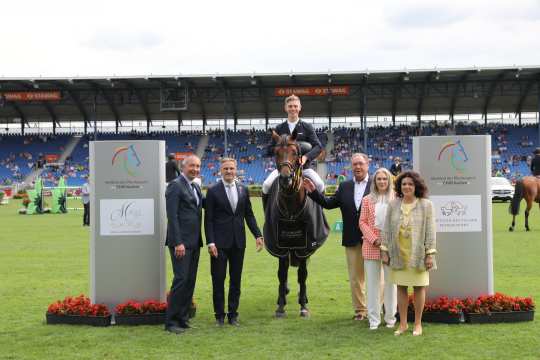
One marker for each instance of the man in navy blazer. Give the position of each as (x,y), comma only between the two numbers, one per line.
(348,198)
(184,202)
(227,207)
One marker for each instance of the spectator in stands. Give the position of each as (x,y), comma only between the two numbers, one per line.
(85,195)
(171,168)
(395,169)
(535,163)
(305,133)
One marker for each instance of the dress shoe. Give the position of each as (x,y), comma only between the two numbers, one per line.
(234,321)
(175,329)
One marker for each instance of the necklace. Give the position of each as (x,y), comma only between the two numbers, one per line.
(405,218)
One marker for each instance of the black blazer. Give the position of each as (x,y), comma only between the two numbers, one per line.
(344,199)
(223,227)
(305,132)
(183,214)
(535,165)
(171,170)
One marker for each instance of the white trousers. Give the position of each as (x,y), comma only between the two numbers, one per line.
(372,270)
(309,173)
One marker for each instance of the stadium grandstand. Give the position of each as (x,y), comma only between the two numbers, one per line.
(46,123)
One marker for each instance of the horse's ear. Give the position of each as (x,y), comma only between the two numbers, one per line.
(275,136)
(294,133)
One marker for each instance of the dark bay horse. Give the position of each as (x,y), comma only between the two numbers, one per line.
(294,225)
(527,188)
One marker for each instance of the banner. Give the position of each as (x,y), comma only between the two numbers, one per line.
(51,158)
(32,95)
(313,91)
(180,156)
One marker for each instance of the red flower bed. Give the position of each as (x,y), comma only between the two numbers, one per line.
(486,304)
(132,307)
(80,305)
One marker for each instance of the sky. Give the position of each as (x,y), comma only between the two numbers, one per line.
(120,38)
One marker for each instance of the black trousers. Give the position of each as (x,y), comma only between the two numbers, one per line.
(86,214)
(182,287)
(218,268)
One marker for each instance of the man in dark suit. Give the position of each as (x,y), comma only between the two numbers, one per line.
(305,133)
(184,201)
(227,207)
(535,162)
(348,198)
(171,168)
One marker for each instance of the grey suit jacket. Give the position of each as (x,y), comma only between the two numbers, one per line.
(423,237)
(183,214)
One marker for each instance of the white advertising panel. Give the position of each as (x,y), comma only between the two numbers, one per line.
(121,217)
(458,213)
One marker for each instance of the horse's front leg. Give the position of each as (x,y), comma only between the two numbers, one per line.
(513,223)
(283,290)
(527,219)
(302,294)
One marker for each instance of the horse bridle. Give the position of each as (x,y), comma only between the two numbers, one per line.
(296,169)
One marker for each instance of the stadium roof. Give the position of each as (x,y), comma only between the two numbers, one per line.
(245,96)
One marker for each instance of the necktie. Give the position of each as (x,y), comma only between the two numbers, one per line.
(195,193)
(231,194)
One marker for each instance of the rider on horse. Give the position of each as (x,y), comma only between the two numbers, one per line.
(305,134)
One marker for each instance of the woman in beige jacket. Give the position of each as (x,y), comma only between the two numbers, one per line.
(408,245)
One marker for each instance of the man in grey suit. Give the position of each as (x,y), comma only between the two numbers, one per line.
(184,201)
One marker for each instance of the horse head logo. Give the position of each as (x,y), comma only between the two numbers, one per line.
(457,156)
(128,158)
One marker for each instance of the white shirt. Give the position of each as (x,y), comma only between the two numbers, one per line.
(232,193)
(85,193)
(292,125)
(380,213)
(359,189)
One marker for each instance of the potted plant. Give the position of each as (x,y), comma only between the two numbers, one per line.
(131,312)
(498,308)
(439,310)
(78,311)
(444,310)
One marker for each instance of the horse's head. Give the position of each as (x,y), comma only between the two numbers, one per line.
(288,155)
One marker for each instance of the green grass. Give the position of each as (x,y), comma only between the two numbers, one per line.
(44,258)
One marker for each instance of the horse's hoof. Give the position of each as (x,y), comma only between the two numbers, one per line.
(280,314)
(527,229)
(510,229)
(305,313)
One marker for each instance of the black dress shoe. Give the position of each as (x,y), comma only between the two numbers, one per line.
(175,329)
(234,321)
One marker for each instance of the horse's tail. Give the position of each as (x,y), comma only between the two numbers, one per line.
(516,199)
